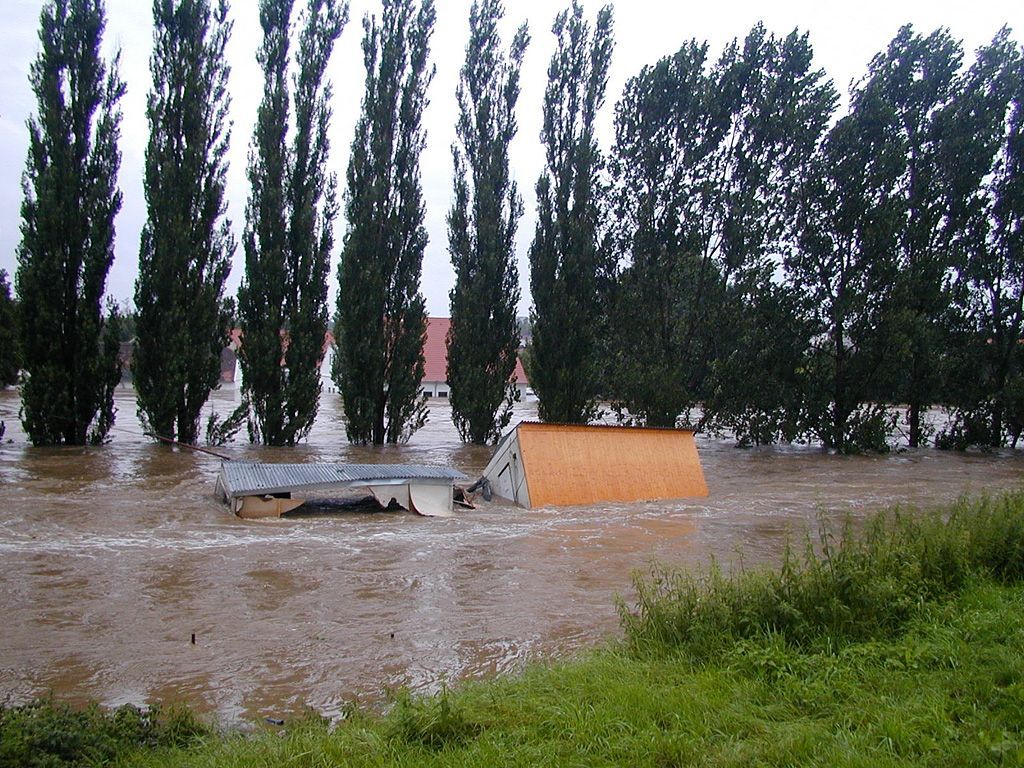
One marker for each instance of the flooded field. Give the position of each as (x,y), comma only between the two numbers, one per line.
(113,557)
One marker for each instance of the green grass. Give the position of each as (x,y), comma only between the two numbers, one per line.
(900,645)
(842,587)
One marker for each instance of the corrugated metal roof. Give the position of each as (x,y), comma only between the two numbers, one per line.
(247,479)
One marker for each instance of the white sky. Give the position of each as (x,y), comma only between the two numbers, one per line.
(845,36)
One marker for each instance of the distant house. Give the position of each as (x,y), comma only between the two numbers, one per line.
(435,352)
(228,359)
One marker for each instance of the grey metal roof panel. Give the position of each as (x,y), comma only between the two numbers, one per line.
(246,478)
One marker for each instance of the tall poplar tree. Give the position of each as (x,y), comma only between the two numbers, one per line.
(8,355)
(288,236)
(669,125)
(382,317)
(846,268)
(67,245)
(186,245)
(484,338)
(565,262)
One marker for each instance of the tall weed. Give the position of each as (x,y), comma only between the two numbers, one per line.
(435,722)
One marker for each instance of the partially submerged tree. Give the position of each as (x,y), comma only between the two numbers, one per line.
(667,128)
(67,245)
(484,338)
(381,313)
(187,245)
(783,105)
(914,84)
(565,261)
(986,371)
(846,268)
(756,389)
(288,237)
(705,163)
(8,338)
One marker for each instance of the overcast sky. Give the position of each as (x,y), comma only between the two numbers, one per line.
(845,36)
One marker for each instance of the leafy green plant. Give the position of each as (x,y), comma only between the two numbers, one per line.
(435,722)
(47,734)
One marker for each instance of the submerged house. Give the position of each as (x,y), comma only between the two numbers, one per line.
(229,357)
(551,465)
(254,490)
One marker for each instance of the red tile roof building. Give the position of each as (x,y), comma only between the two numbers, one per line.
(435,353)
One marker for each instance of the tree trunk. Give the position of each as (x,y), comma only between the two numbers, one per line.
(914,418)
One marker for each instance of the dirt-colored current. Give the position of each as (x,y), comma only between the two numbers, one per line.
(112,558)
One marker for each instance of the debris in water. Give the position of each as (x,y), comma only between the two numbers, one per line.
(255,490)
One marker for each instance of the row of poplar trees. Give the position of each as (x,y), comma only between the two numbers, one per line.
(743,256)
(183,318)
(68,348)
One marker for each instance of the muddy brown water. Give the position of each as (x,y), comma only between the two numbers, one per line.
(113,557)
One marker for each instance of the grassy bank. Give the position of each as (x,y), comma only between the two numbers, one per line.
(901,645)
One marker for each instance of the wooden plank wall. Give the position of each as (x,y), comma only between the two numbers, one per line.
(568,464)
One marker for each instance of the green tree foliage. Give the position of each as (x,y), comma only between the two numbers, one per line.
(382,318)
(705,161)
(288,237)
(913,85)
(186,245)
(9,358)
(986,379)
(667,127)
(566,265)
(846,267)
(67,245)
(484,337)
(756,389)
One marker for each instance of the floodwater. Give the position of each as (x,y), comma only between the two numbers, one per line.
(113,557)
